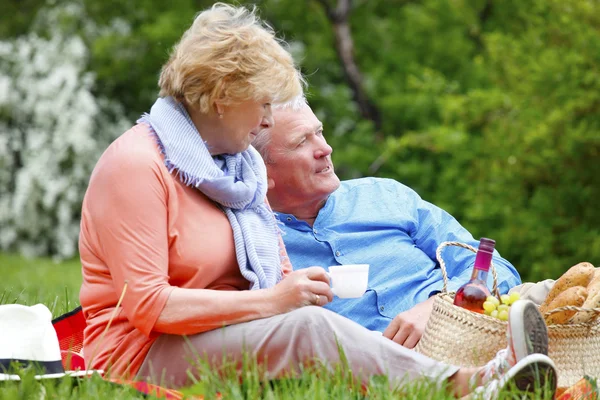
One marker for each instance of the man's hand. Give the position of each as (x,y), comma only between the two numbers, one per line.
(408,326)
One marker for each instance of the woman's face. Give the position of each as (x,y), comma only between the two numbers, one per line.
(241,123)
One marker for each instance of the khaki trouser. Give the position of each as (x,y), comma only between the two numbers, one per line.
(283,343)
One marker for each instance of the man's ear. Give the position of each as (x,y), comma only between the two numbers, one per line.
(270,183)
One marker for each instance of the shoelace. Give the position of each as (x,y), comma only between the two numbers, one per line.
(497,366)
(492,373)
(487,392)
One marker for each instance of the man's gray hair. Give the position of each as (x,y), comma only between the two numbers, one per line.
(295,104)
(262,140)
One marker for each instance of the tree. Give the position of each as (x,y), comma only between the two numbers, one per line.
(487,109)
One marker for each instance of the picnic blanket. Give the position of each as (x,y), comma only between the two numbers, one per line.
(69,329)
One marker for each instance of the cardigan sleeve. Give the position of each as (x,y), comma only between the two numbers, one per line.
(126,208)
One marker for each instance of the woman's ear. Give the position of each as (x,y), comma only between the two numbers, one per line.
(219,108)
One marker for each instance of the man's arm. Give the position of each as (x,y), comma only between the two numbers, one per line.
(436,226)
(432,227)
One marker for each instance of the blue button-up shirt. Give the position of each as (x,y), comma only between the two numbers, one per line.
(387,225)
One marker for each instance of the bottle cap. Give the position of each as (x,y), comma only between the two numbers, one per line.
(486,244)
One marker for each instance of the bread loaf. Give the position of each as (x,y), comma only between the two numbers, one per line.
(578,275)
(573,296)
(592,301)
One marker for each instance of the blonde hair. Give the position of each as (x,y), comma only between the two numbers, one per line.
(229,55)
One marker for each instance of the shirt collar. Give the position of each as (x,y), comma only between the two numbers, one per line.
(291,221)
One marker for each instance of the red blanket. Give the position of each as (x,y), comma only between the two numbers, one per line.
(69,329)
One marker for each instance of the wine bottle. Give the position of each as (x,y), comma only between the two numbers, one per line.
(472,294)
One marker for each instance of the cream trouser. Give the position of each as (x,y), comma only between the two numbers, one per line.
(284,343)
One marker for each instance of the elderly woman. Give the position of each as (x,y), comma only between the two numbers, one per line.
(175,217)
(177,239)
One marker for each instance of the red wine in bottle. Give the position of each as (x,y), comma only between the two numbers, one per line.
(472,294)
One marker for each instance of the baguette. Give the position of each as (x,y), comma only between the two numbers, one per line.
(592,301)
(573,296)
(578,275)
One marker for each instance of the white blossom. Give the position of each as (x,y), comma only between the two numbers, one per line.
(52,131)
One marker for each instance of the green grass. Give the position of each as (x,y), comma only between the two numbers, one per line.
(32,281)
(56,285)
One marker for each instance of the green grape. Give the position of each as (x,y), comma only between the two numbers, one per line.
(488,307)
(503,315)
(493,300)
(514,296)
(494,314)
(503,307)
(505,299)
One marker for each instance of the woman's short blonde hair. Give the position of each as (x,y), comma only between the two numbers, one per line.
(230,55)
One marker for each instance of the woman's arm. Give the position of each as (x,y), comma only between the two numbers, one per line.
(190,311)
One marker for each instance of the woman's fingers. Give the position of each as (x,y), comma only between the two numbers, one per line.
(323,290)
(311,285)
(317,274)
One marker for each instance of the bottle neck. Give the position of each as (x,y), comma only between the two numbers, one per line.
(479,274)
(483,260)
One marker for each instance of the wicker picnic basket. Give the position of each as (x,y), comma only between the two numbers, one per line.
(461,337)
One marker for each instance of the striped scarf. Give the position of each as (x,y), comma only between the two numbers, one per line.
(237,182)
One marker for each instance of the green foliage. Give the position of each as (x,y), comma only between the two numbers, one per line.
(493,116)
(17,15)
(489,110)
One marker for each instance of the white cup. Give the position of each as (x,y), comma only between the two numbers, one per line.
(350,280)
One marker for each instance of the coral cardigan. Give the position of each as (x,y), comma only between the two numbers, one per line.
(141,225)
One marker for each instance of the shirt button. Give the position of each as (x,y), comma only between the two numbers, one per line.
(381,308)
(315,231)
(289,219)
(337,253)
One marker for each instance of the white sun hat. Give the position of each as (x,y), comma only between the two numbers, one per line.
(27,338)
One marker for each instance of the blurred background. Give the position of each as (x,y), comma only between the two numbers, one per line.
(489,109)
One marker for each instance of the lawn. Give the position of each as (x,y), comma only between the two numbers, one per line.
(56,284)
(31,281)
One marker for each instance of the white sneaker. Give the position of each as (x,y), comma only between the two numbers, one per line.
(534,372)
(526,334)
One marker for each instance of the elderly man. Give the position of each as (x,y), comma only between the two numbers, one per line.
(370,220)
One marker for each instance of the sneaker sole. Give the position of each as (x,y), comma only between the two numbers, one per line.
(528,329)
(536,373)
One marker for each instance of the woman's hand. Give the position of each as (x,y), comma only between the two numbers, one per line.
(305,287)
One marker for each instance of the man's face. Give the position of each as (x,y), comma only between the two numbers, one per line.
(299,161)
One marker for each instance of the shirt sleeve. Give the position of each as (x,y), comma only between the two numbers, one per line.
(435,226)
(128,209)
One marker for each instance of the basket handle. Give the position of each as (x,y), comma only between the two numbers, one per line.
(438,254)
